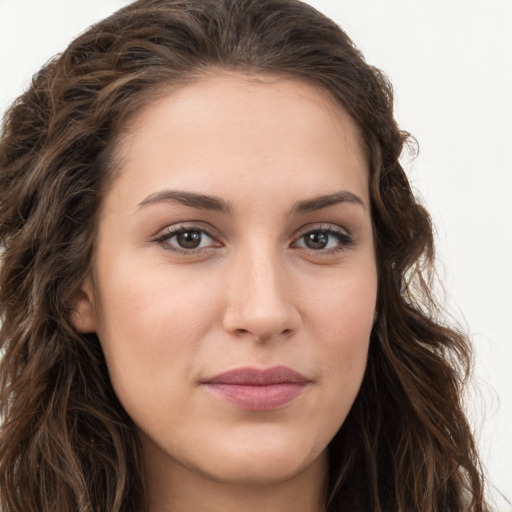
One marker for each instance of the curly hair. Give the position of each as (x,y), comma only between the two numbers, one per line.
(65,441)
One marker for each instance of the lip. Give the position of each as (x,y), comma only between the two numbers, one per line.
(258,389)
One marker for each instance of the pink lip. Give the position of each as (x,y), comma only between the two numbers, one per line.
(258,390)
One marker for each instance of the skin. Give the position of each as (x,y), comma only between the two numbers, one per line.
(254,293)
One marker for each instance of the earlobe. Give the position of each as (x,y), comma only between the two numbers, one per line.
(83,316)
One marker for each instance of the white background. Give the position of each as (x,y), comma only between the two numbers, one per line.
(451,65)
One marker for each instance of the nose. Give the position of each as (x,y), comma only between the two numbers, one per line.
(260,302)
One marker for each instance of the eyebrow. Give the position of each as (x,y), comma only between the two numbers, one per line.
(191,199)
(212,203)
(318,203)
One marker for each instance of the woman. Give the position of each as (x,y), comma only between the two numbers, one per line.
(215,285)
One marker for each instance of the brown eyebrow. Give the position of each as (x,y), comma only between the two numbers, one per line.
(205,202)
(191,199)
(317,203)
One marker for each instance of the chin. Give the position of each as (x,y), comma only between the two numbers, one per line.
(266,462)
(259,471)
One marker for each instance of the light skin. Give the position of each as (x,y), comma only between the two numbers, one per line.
(237,234)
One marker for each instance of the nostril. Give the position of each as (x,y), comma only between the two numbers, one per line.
(262,336)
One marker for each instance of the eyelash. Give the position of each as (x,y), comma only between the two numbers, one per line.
(343,238)
(165,238)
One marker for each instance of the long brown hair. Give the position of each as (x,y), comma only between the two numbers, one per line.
(66,443)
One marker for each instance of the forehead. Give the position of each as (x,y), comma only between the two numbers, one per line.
(258,130)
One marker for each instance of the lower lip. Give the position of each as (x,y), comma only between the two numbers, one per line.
(258,398)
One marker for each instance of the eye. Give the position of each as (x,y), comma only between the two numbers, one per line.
(324,239)
(187,239)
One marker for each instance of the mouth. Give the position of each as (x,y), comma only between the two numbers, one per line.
(258,389)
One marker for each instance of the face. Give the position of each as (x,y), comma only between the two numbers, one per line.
(235,280)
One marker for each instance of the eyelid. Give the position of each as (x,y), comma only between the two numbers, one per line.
(168,232)
(163,236)
(322,226)
(345,238)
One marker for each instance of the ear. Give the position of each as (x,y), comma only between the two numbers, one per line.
(83,316)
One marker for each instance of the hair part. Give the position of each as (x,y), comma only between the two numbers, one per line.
(65,442)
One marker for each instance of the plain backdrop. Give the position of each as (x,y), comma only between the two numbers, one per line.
(451,65)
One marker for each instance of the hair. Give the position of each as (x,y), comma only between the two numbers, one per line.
(65,441)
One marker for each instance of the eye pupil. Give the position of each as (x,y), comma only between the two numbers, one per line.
(189,239)
(316,240)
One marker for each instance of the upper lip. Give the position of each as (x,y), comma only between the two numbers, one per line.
(250,376)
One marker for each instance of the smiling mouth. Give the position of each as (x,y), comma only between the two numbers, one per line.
(256,389)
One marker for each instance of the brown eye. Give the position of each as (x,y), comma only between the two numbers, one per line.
(324,239)
(184,239)
(316,240)
(189,239)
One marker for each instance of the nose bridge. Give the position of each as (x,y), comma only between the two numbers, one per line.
(259,300)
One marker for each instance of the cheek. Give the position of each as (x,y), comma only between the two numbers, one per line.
(151,325)
(153,304)
(343,308)
(341,318)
